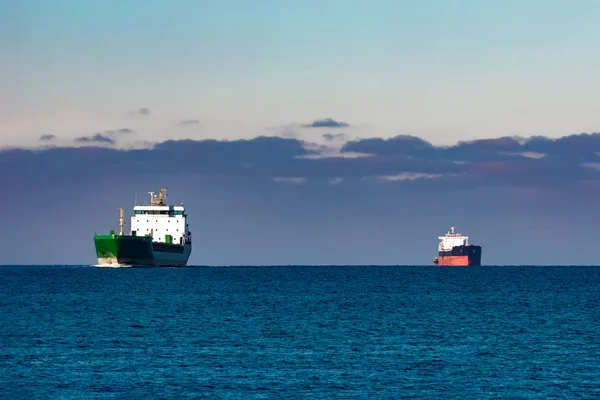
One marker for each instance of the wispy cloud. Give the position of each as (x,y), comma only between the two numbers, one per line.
(294,180)
(334,136)
(188,122)
(407,176)
(141,111)
(107,137)
(45,138)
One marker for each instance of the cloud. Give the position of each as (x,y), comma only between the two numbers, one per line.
(188,122)
(106,137)
(45,138)
(97,138)
(334,136)
(326,123)
(141,111)
(502,162)
(399,145)
(580,146)
(294,180)
(258,150)
(408,176)
(570,146)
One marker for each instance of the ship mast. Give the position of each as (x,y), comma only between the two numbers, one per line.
(121,221)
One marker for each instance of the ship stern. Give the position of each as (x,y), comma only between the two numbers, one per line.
(460,256)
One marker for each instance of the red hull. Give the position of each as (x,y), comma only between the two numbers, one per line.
(455,261)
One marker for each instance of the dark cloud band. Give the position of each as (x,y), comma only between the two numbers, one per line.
(496,162)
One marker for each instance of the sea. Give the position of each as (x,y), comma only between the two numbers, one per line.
(317,332)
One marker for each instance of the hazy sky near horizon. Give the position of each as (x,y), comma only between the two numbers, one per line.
(444,70)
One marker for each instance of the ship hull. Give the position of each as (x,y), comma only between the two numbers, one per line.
(139,251)
(460,256)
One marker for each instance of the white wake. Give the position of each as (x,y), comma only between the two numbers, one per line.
(112,266)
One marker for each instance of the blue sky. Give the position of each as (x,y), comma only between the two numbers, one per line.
(386,122)
(444,70)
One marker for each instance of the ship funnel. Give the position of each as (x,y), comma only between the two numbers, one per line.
(162,196)
(159,199)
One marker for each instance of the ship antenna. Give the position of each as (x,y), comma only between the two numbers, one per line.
(121,221)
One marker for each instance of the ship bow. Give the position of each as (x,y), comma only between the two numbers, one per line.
(123,250)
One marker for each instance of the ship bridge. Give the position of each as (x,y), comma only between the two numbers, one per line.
(165,223)
(451,240)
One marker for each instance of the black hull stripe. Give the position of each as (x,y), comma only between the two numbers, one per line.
(462,251)
(167,248)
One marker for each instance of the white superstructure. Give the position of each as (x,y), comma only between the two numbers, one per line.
(452,240)
(165,223)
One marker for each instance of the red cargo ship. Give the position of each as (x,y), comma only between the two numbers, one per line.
(454,250)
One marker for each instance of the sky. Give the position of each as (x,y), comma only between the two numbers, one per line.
(312,132)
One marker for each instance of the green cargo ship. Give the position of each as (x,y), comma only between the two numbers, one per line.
(159,237)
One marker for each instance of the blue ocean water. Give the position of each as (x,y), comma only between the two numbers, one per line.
(72,332)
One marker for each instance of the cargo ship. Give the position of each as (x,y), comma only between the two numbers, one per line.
(454,250)
(159,236)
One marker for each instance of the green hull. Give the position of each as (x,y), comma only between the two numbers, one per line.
(114,250)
